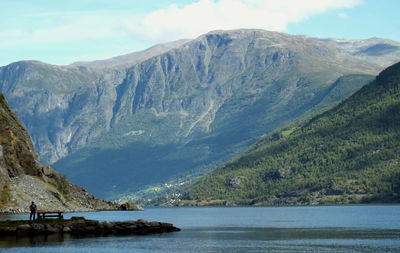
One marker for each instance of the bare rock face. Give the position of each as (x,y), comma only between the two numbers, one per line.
(23,179)
(237,181)
(16,150)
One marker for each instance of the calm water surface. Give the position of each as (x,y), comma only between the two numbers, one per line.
(234,230)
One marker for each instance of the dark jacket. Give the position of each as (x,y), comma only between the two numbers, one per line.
(33,208)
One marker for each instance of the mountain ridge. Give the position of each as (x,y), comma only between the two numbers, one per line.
(257,78)
(131,58)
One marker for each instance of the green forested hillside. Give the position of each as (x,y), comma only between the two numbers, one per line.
(348,154)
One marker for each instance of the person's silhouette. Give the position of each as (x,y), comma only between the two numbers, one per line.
(32,207)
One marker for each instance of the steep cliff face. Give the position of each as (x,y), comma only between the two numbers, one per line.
(24,179)
(63,108)
(17,155)
(187,108)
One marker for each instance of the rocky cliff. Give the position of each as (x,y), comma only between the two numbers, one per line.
(113,125)
(23,179)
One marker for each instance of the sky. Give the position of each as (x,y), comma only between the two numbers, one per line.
(61,32)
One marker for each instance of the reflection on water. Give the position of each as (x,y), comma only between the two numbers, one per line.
(25,241)
(237,230)
(230,239)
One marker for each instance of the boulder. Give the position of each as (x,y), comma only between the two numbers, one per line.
(155,224)
(38,228)
(92,223)
(53,228)
(66,230)
(107,225)
(129,206)
(24,227)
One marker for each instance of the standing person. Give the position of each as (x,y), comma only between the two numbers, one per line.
(32,207)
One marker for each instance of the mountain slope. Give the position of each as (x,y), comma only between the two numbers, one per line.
(383,52)
(196,106)
(23,179)
(184,110)
(349,153)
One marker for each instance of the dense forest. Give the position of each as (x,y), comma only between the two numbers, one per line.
(347,154)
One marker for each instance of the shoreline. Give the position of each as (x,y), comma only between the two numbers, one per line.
(83,227)
(216,206)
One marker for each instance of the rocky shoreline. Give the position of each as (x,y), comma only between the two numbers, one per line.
(83,227)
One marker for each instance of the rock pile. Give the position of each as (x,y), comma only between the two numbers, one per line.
(81,226)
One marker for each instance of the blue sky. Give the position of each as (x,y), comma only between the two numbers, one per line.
(62,32)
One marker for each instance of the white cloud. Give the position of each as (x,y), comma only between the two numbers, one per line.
(167,24)
(206,15)
(63,28)
(118,31)
(343,15)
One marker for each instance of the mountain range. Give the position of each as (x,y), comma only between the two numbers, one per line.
(175,111)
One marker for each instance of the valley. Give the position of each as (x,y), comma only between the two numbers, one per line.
(173,112)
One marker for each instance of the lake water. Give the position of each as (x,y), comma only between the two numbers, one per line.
(236,230)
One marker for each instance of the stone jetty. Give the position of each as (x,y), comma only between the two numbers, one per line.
(81,226)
